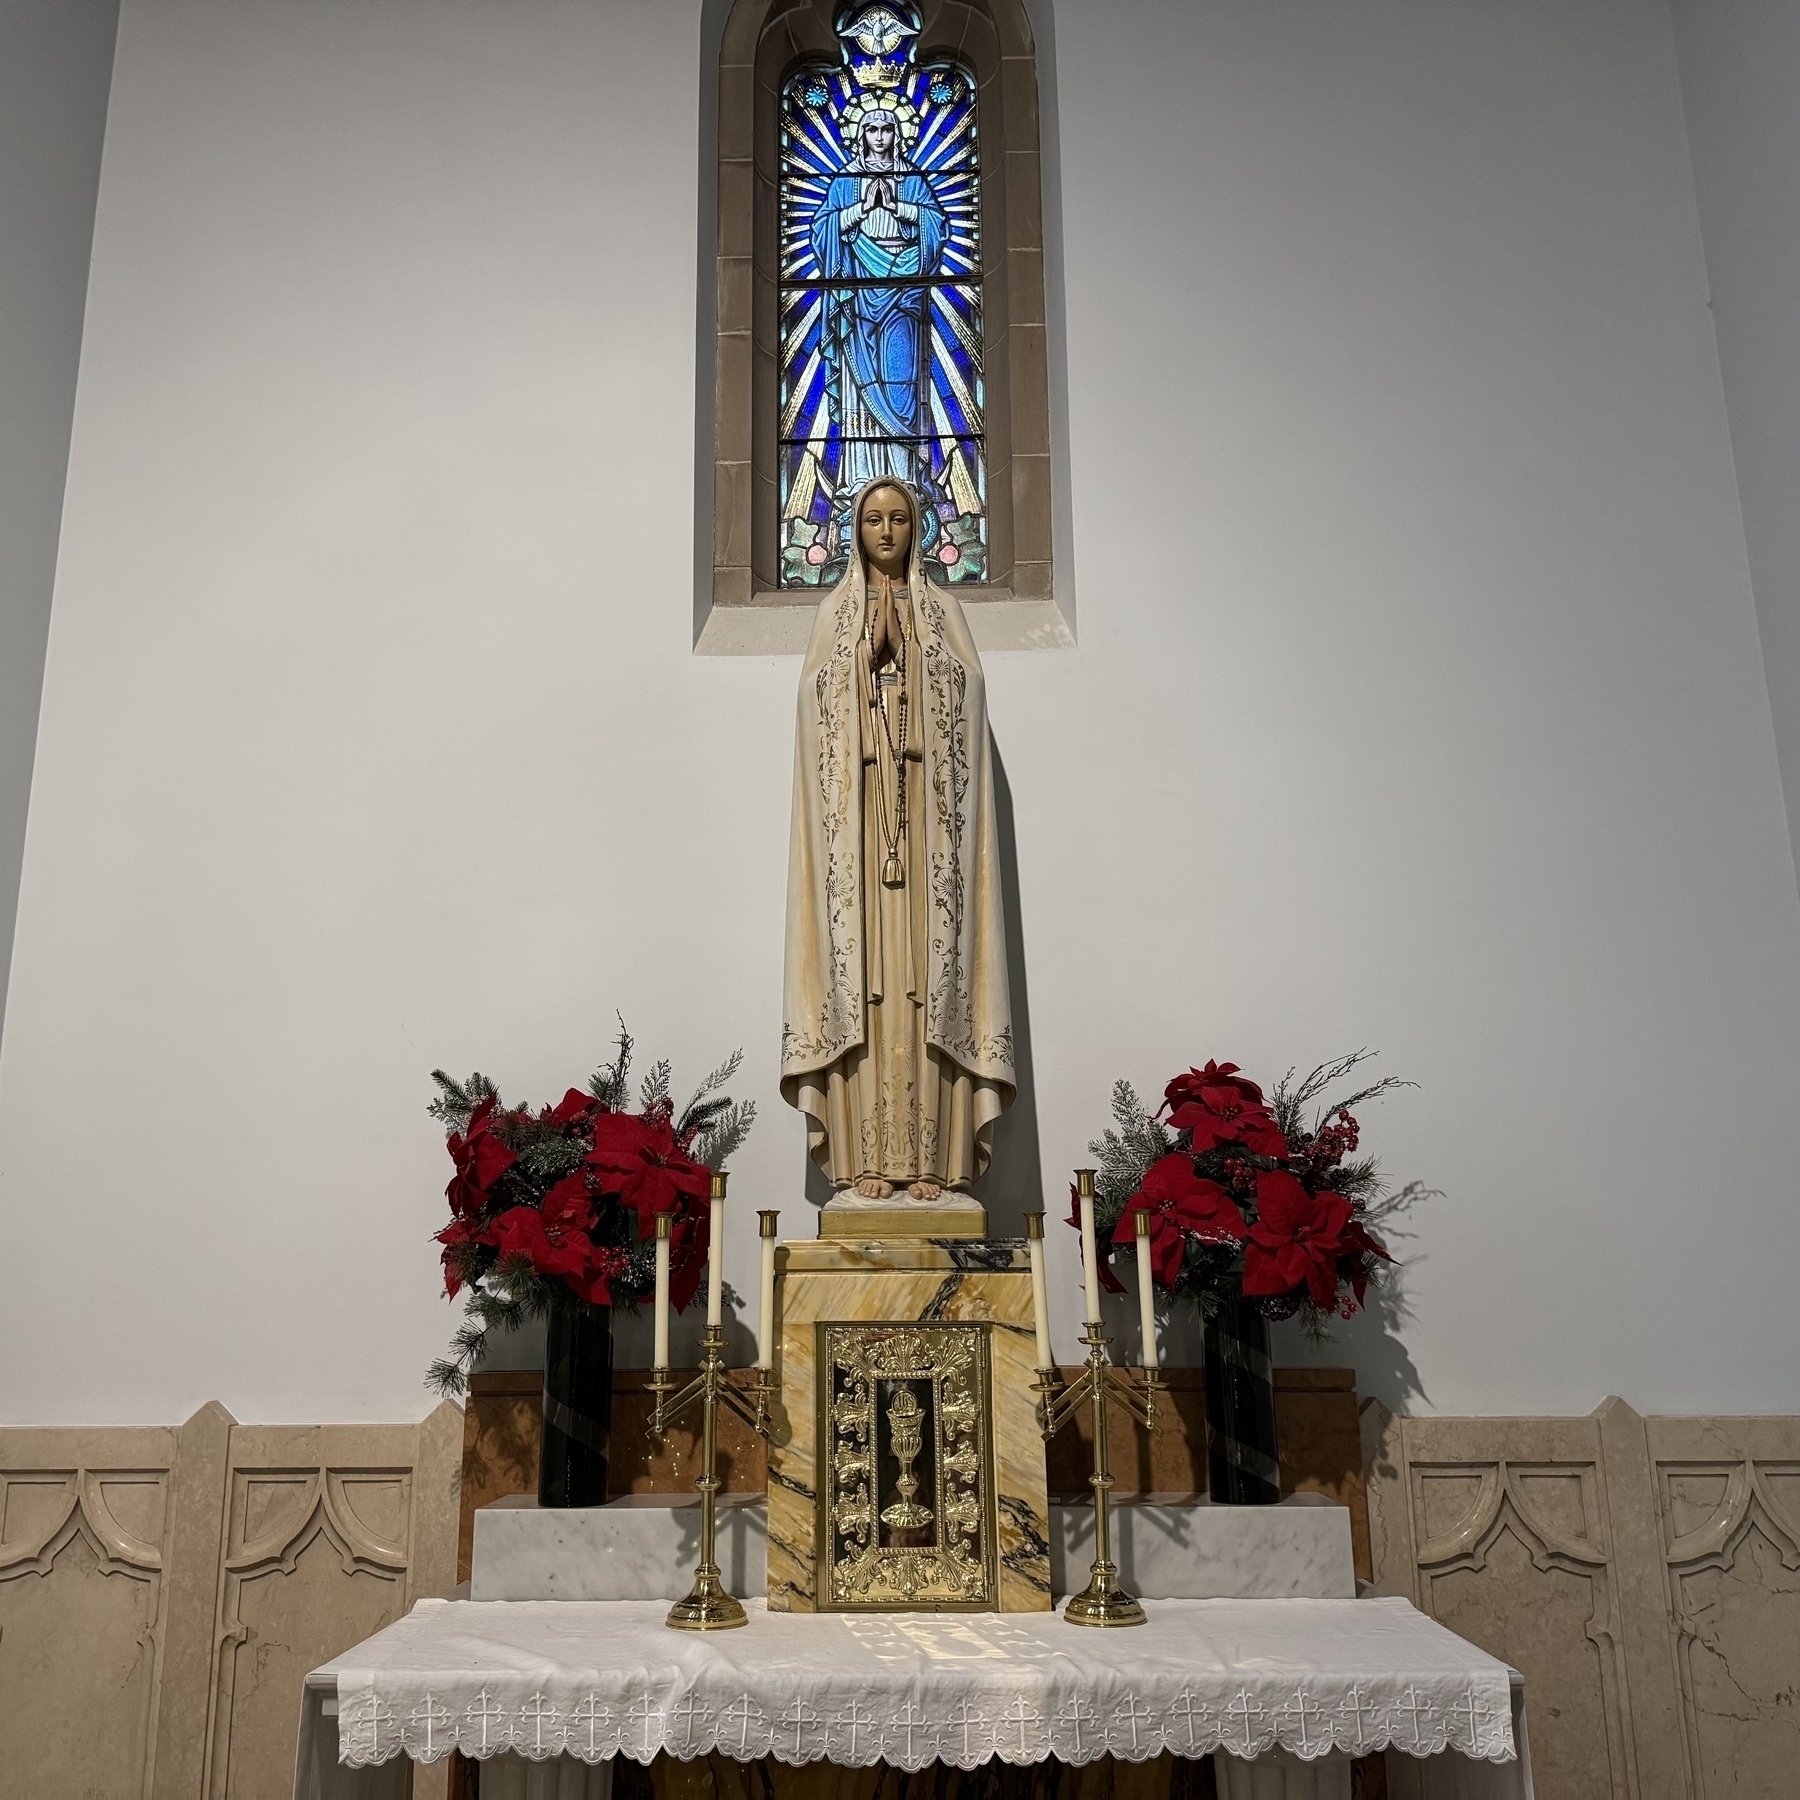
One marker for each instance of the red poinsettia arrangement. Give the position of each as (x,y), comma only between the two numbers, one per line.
(1246,1196)
(560,1204)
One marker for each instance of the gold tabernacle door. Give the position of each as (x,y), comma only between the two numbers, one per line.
(906,1515)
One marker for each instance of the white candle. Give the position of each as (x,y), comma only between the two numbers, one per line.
(662,1291)
(1040,1298)
(715,1256)
(1146,1295)
(1090,1261)
(765,1321)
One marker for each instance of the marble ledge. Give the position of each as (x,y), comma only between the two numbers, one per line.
(639,1547)
(836,1256)
(645,1547)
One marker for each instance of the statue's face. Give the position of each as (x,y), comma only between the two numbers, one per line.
(878,139)
(886,528)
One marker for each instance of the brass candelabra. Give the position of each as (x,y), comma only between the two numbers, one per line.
(1103,1601)
(709,1606)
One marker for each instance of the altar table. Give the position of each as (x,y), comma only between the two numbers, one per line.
(1317,1679)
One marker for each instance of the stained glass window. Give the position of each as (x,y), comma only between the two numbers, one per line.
(880,296)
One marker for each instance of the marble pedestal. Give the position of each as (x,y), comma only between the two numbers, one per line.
(849,1218)
(643,1547)
(639,1547)
(926,1282)
(1182,1547)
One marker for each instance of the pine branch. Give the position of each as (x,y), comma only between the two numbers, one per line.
(484,1312)
(1125,1154)
(699,1118)
(690,1114)
(655,1090)
(725,1136)
(546,1159)
(458,1099)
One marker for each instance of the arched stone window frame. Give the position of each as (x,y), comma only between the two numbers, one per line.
(763,42)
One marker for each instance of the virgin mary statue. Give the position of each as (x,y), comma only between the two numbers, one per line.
(897,1034)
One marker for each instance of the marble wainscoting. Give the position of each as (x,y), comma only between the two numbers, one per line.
(930,1283)
(164,1590)
(1642,1574)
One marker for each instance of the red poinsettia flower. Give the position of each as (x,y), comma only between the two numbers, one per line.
(480,1158)
(1298,1238)
(688,1240)
(555,1239)
(572,1108)
(1220,1106)
(1215,1074)
(1361,1240)
(1179,1202)
(454,1235)
(640,1161)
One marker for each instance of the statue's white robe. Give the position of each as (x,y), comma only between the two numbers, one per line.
(897,1029)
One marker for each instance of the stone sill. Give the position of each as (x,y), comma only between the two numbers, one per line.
(778,625)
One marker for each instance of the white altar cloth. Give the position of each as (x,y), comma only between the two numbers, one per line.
(599,1679)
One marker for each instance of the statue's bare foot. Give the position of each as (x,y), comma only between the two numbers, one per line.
(872,1187)
(926,1190)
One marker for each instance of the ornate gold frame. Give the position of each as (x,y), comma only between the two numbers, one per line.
(856,1571)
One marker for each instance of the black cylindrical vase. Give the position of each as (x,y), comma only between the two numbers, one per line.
(1241,1462)
(577,1406)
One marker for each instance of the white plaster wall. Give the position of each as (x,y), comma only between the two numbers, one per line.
(1418,702)
(1740,81)
(55,66)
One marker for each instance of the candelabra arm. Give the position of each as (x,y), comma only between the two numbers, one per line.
(667,1410)
(753,1408)
(1138,1400)
(1058,1401)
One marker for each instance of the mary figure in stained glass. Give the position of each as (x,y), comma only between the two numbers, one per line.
(879,222)
(880,297)
(897,1035)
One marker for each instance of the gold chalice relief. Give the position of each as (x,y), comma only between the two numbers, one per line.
(905,1422)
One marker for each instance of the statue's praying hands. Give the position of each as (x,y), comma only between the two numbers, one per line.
(884,635)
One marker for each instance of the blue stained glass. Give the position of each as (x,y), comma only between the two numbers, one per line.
(880,301)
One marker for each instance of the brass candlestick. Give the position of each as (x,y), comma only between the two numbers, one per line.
(1103,1601)
(708,1606)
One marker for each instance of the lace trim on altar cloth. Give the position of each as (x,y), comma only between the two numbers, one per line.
(1308,1720)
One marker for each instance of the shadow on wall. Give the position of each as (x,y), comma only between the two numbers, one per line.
(1014,1183)
(1371,1343)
